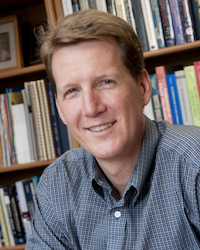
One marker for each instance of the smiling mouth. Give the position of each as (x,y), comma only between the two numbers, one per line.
(101,128)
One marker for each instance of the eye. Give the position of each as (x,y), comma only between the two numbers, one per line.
(71,91)
(106,82)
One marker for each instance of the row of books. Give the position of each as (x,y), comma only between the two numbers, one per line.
(175,96)
(30,127)
(17,211)
(158,23)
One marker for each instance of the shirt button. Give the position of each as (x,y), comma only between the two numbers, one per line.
(117,214)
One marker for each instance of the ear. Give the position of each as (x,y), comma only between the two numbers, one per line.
(146,85)
(60,112)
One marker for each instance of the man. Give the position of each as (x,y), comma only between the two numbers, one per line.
(135,183)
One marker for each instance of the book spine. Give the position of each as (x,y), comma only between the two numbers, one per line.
(140,26)
(164,95)
(29,198)
(3,225)
(174,99)
(1,236)
(187,20)
(195,5)
(183,97)
(84,5)
(193,93)
(92,4)
(75,5)
(197,72)
(156,98)
(101,5)
(120,9)
(148,110)
(157,23)
(111,7)
(166,18)
(129,14)
(149,25)
(176,20)
(67,7)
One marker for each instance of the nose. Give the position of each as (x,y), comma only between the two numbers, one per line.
(92,103)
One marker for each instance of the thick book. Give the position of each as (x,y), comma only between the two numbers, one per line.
(24,208)
(163,92)
(21,133)
(84,5)
(121,9)
(67,7)
(101,5)
(183,97)
(197,72)
(140,26)
(167,24)
(111,7)
(156,98)
(75,5)
(193,93)
(176,20)
(129,14)
(157,23)
(16,213)
(174,99)
(187,20)
(195,4)
(149,24)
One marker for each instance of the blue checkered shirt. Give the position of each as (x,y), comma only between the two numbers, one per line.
(160,208)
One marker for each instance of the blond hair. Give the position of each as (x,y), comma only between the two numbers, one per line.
(92,24)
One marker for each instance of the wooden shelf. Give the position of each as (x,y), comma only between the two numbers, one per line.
(13,173)
(18,247)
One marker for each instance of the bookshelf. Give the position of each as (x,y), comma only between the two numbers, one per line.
(51,9)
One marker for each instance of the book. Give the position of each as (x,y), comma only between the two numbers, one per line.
(167,24)
(84,4)
(176,20)
(174,99)
(21,134)
(149,24)
(163,92)
(157,23)
(156,98)
(24,209)
(1,237)
(197,72)
(183,97)
(140,26)
(92,4)
(187,20)
(193,93)
(37,118)
(111,7)
(101,5)
(75,5)
(129,14)
(67,7)
(148,110)
(3,226)
(6,218)
(29,197)
(120,9)
(195,5)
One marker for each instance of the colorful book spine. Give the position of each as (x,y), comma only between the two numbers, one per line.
(176,20)
(174,99)
(197,72)
(195,4)
(187,20)
(167,24)
(164,95)
(157,23)
(183,97)
(156,98)
(149,24)
(193,93)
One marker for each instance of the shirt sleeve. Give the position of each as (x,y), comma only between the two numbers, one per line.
(48,233)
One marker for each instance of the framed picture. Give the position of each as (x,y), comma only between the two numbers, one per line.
(10,47)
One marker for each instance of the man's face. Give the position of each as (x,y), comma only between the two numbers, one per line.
(98,99)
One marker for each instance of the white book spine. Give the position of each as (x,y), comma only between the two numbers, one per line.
(149,24)
(148,110)
(101,5)
(84,5)
(120,9)
(183,97)
(67,7)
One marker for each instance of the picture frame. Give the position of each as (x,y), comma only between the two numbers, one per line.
(10,47)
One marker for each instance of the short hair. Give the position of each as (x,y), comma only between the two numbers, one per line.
(92,24)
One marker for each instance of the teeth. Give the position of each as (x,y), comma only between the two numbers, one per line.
(101,128)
